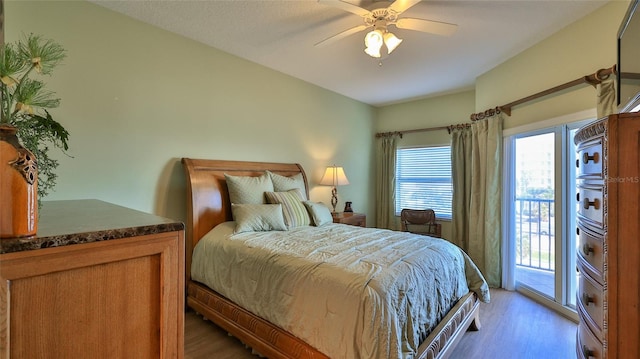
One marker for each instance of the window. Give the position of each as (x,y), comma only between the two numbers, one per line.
(423,179)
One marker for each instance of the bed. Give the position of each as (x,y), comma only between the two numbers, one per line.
(208,206)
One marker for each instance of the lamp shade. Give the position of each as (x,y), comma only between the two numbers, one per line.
(373,41)
(391,41)
(376,38)
(334,176)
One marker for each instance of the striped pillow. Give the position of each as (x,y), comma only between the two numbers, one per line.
(295,213)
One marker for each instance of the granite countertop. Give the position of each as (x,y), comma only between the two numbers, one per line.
(64,223)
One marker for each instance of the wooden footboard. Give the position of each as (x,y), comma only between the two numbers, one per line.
(443,339)
(262,336)
(275,343)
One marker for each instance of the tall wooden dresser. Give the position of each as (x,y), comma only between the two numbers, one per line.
(97,281)
(608,258)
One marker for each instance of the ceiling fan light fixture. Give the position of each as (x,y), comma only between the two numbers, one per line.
(391,41)
(373,41)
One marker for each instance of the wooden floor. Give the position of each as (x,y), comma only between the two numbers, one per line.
(513,326)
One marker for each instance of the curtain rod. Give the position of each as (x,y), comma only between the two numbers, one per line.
(400,133)
(382,134)
(593,79)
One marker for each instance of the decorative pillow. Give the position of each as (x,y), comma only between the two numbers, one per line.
(320,214)
(258,217)
(284,183)
(247,189)
(295,214)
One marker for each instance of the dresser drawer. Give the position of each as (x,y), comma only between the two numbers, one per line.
(588,347)
(356,221)
(589,161)
(590,300)
(590,202)
(591,253)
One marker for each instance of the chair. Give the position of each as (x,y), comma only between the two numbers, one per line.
(420,221)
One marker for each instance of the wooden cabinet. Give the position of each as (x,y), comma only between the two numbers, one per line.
(98,281)
(354,219)
(608,217)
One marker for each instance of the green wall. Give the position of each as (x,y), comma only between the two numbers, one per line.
(579,49)
(136,99)
(432,112)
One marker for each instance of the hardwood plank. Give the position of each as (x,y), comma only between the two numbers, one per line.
(513,326)
(203,339)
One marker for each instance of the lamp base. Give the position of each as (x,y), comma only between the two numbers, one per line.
(334,198)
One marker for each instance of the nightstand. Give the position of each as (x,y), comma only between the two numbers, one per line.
(354,219)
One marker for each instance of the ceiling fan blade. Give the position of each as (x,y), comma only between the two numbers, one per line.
(341,35)
(433,27)
(400,6)
(346,6)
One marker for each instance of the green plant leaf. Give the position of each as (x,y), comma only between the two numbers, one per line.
(32,93)
(47,52)
(58,133)
(11,63)
(36,131)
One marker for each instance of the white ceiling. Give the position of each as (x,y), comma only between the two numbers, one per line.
(280,34)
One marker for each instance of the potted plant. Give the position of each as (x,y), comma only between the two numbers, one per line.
(27,131)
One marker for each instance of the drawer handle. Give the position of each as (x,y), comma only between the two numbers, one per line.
(586,203)
(587,249)
(578,163)
(588,353)
(586,158)
(587,299)
(577,231)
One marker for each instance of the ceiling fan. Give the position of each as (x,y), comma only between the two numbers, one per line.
(380,20)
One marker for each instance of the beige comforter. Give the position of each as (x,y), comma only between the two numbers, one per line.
(350,292)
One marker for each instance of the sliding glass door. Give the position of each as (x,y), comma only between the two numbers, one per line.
(534,209)
(540,208)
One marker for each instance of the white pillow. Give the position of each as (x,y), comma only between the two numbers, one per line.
(320,214)
(258,217)
(284,183)
(247,189)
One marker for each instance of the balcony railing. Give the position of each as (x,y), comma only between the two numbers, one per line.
(535,233)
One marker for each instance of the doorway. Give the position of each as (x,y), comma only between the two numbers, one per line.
(540,215)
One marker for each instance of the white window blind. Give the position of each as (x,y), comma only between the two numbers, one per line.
(423,179)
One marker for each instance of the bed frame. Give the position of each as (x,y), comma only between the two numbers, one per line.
(208,205)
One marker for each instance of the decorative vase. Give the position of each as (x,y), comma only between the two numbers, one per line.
(18,187)
(347,207)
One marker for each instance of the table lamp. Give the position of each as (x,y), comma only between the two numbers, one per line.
(334,176)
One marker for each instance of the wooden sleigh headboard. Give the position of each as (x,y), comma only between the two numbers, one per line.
(208,198)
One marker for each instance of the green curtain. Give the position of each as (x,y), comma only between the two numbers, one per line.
(461,177)
(386,184)
(606,94)
(476,162)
